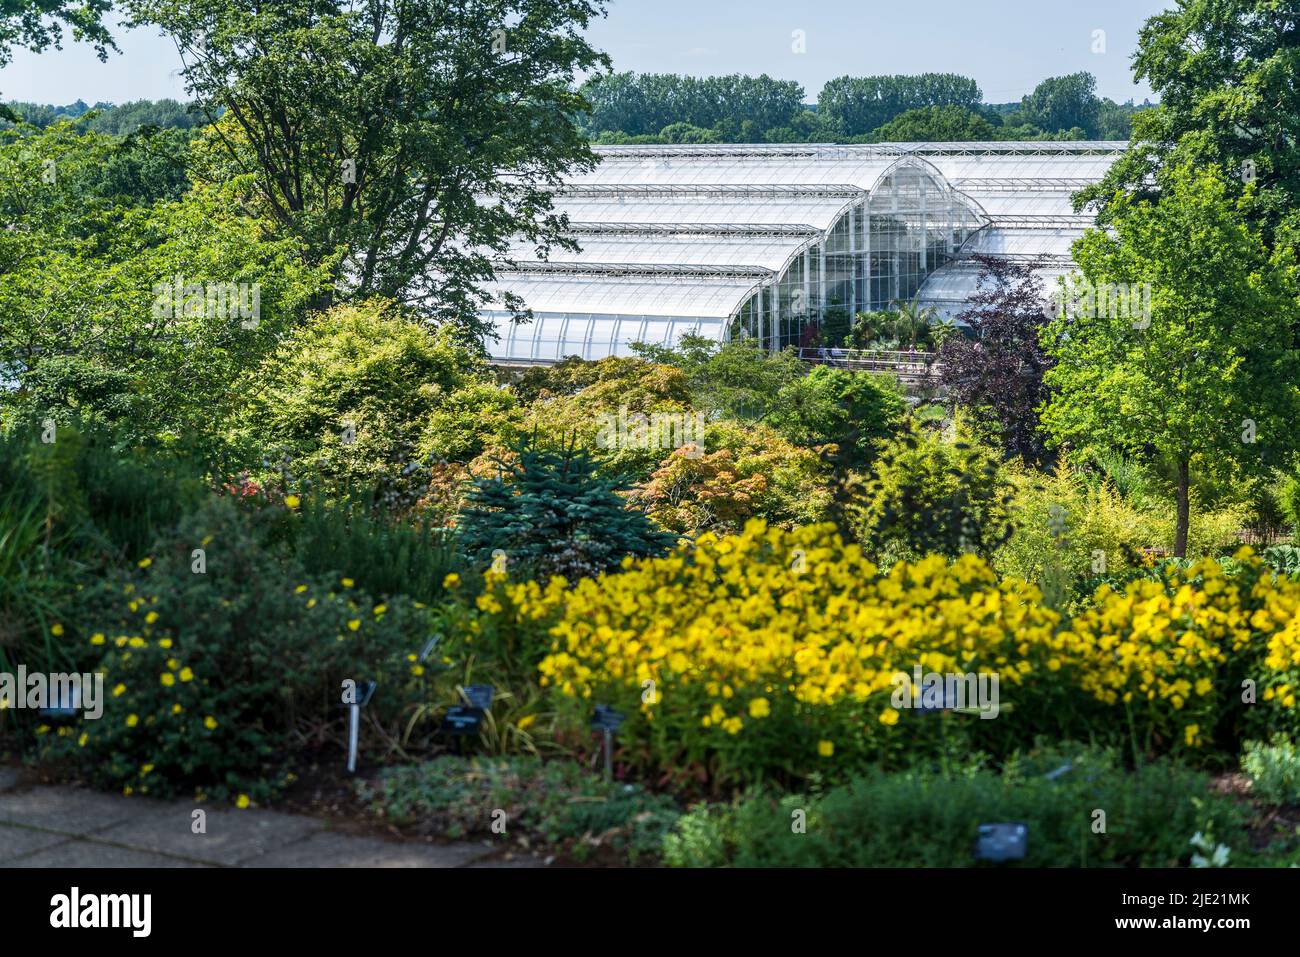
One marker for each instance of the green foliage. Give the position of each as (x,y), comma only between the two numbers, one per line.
(856,105)
(933,494)
(922,818)
(210,674)
(385,555)
(557,802)
(455,140)
(1063,103)
(1222,73)
(1218,356)
(935,124)
(1274,770)
(87,290)
(354,393)
(68,509)
(39,24)
(550,513)
(734,108)
(854,410)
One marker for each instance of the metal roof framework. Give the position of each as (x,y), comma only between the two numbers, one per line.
(677,237)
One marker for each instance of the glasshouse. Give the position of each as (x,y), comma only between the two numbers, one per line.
(730,241)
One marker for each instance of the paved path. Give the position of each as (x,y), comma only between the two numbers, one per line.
(45,826)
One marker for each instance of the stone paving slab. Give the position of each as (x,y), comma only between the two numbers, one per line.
(95,854)
(330,849)
(232,837)
(70,810)
(17,841)
(67,827)
(9,778)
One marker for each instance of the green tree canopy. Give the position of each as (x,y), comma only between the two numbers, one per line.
(1215,372)
(417,140)
(852,106)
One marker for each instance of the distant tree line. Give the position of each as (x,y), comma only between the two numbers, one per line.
(106,118)
(668,108)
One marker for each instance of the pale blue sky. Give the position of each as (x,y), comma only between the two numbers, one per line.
(1006,45)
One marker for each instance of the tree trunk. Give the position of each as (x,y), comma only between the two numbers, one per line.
(1184,511)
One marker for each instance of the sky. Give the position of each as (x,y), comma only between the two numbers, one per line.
(1007,46)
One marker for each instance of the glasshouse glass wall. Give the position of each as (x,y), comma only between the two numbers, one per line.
(877,254)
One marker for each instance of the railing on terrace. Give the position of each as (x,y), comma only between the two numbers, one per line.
(908,366)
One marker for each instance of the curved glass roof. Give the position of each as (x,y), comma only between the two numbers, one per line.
(679,238)
(684,209)
(691,251)
(670,296)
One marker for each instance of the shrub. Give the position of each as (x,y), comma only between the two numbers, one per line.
(384,554)
(854,410)
(774,654)
(1065,525)
(1274,770)
(549,513)
(745,471)
(933,495)
(349,396)
(213,669)
(769,653)
(68,509)
(558,802)
(922,818)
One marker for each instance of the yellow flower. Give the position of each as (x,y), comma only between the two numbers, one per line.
(167,678)
(56,630)
(118,690)
(291,501)
(146,562)
(138,642)
(1191,733)
(347,582)
(187,674)
(380,609)
(451,580)
(210,723)
(97,639)
(417,670)
(165,643)
(242,802)
(825,748)
(173,664)
(526,721)
(300,589)
(889,717)
(132,720)
(354,624)
(311,603)
(150,618)
(759,708)
(177,709)
(81,741)
(145,769)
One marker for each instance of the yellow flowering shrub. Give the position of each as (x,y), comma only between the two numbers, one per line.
(772,652)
